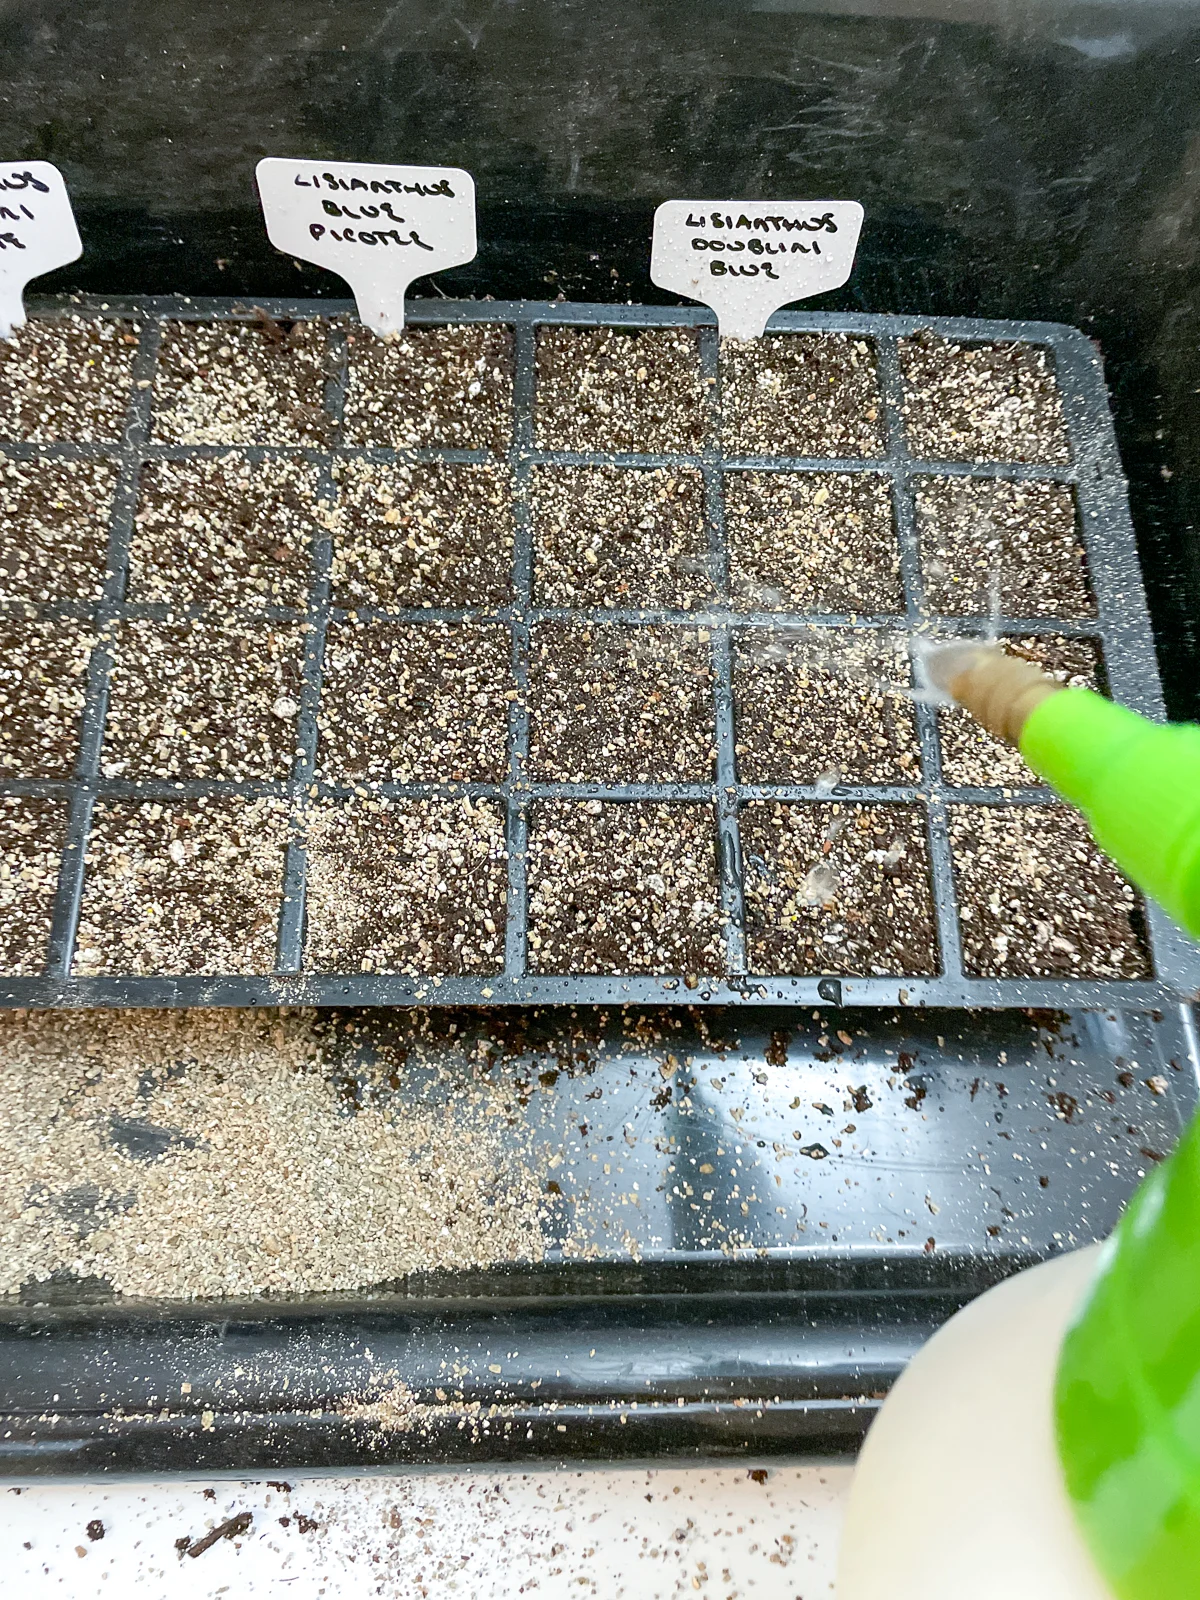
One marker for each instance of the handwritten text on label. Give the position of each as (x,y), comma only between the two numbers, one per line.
(745,259)
(379,227)
(37,233)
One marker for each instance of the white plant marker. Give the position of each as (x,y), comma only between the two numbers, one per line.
(746,258)
(378,226)
(37,233)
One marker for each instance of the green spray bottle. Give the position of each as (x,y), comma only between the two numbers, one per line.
(1045,1443)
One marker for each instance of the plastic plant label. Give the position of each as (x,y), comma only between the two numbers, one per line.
(746,258)
(37,233)
(379,227)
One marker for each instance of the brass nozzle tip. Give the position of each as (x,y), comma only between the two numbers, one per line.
(998,690)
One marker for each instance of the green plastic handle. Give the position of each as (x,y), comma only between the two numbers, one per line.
(1138,784)
(1127,1394)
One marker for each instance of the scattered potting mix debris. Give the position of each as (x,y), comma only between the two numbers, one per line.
(198,1154)
(218,1153)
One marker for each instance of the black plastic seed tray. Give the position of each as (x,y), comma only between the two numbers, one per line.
(1120,628)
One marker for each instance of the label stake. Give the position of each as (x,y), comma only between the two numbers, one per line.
(37,233)
(377,226)
(746,258)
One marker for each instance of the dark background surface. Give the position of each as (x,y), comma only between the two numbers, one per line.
(1023,158)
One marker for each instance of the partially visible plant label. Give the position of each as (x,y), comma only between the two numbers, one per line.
(746,258)
(37,233)
(379,227)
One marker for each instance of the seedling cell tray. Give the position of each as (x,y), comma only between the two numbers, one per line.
(649,610)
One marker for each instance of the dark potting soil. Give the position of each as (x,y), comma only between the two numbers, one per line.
(623,887)
(415,702)
(838,888)
(422,534)
(408,886)
(619,389)
(449,386)
(812,541)
(988,543)
(620,537)
(1037,899)
(991,402)
(185,887)
(613,703)
(800,394)
(824,703)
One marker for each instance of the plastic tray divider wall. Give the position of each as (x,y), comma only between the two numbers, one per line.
(729,843)
(290,949)
(516,942)
(1121,627)
(69,895)
(941,869)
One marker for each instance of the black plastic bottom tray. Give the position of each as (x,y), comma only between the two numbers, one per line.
(990,1142)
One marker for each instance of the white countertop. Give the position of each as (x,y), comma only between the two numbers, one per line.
(718,1533)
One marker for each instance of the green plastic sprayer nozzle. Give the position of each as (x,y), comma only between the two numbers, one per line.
(1137,782)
